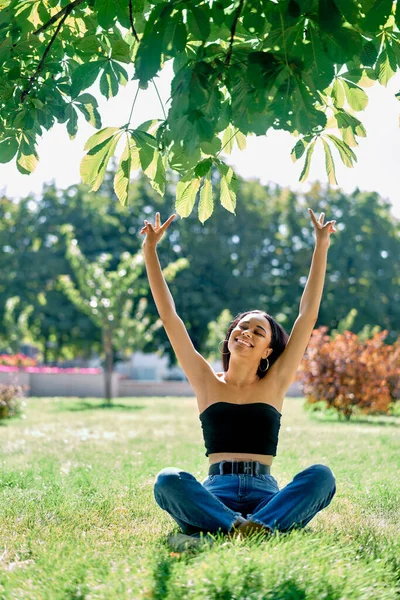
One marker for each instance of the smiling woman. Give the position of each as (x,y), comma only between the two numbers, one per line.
(240,412)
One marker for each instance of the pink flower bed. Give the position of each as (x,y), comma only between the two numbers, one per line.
(88,371)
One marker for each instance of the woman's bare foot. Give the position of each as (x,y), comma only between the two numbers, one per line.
(249,528)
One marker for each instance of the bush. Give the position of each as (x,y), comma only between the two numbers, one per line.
(11,401)
(349,374)
(17,360)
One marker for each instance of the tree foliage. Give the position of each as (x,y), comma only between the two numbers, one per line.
(241,67)
(16,329)
(107,297)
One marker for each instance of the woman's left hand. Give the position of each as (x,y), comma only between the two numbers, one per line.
(322,230)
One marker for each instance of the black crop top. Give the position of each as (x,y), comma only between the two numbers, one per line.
(245,428)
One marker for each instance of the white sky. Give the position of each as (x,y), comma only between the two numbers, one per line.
(266,158)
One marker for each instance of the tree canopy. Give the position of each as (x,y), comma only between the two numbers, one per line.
(241,67)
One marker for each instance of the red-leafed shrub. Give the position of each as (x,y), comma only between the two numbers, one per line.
(17,360)
(349,374)
(11,401)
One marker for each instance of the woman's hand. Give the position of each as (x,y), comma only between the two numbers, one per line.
(322,231)
(155,232)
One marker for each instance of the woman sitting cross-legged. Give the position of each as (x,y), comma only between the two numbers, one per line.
(240,413)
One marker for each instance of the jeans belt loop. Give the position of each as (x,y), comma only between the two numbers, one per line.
(248,467)
(221,467)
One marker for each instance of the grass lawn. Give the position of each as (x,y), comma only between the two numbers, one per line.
(78,519)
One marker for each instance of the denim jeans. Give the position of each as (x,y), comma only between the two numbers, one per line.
(219,501)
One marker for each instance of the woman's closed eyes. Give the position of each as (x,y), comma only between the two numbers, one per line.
(257,332)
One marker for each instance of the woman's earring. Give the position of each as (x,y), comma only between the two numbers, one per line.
(222,342)
(263,370)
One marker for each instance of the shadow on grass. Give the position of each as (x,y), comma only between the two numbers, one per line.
(162,573)
(383,421)
(290,590)
(85,405)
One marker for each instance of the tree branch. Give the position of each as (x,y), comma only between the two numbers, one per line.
(67,9)
(131,20)
(45,53)
(233,31)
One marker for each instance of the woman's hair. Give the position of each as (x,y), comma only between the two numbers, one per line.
(278,341)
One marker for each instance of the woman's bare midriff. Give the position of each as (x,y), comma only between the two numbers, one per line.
(219,389)
(265,459)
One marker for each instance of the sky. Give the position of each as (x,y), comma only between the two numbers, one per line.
(266,158)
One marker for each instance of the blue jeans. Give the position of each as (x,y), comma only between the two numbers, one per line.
(219,501)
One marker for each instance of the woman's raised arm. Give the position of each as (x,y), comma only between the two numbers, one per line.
(191,361)
(162,296)
(286,365)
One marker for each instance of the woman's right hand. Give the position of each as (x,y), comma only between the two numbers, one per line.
(155,232)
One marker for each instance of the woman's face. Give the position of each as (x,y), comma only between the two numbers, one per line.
(251,335)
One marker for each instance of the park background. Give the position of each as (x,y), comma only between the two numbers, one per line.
(260,257)
(70,528)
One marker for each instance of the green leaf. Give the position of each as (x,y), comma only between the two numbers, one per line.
(147,147)
(198,19)
(148,57)
(349,10)
(241,140)
(355,96)
(386,65)
(338,93)
(346,153)
(344,119)
(203,167)
(377,15)
(228,138)
(120,72)
(156,173)
(108,82)
(89,110)
(341,45)
(175,36)
(329,17)
(211,147)
(122,12)
(123,174)
(27,158)
(298,149)
(84,76)
(363,77)
(186,195)
(89,44)
(98,138)
(105,13)
(121,51)
(150,159)
(228,186)
(93,165)
(206,204)
(307,162)
(72,124)
(348,137)
(8,149)
(369,54)
(306,116)
(329,164)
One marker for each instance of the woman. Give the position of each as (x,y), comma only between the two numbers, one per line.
(240,411)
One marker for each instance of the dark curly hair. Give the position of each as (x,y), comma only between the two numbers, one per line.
(278,341)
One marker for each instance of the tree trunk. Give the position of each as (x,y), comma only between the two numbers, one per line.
(45,350)
(108,364)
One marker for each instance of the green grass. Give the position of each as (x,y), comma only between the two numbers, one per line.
(78,519)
